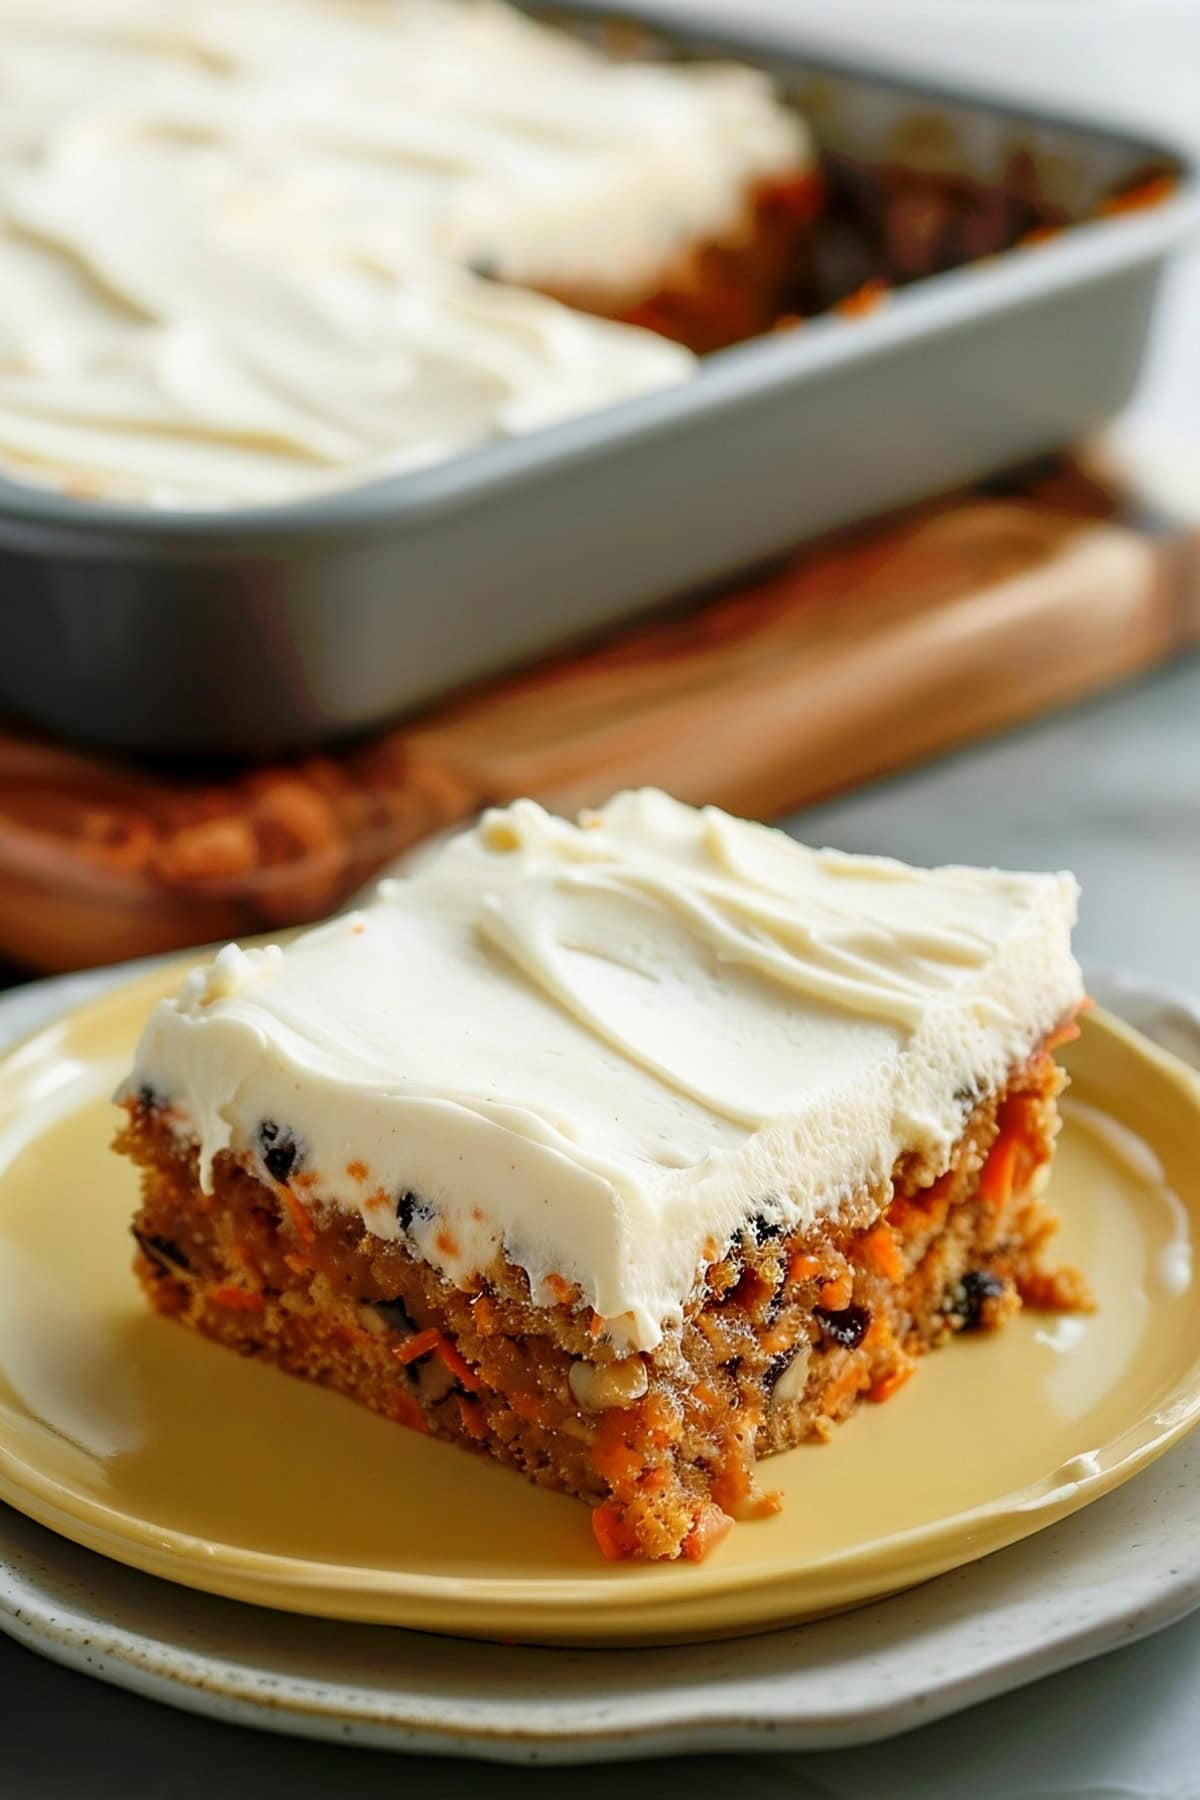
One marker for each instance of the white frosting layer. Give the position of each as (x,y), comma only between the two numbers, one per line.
(237,236)
(603,1047)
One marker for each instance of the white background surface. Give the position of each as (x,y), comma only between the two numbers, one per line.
(1112,789)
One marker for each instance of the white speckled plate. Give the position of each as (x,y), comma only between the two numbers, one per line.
(1121,1568)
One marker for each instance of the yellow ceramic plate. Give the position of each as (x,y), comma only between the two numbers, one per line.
(134,1437)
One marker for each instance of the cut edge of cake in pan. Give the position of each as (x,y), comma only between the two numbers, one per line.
(726,288)
(627,1152)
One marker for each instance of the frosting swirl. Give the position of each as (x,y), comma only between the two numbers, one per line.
(598,1046)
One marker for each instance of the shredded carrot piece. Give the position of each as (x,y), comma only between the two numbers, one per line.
(1038,234)
(653,1481)
(800,196)
(1147,193)
(887,1385)
(1065,1034)
(405,1410)
(998,1172)
(299,1265)
(712,1525)
(801,1267)
(357,1171)
(447,1243)
(607,1530)
(595,1325)
(1019,1117)
(300,1219)
(883,1253)
(457,1363)
(421,1344)
(483,1312)
(236,1299)
(435,1342)
(559,1287)
(473,1418)
(863,300)
(837,1294)
(879,1333)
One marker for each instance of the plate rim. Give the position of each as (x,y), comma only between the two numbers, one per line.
(439,1602)
(37,1616)
(223,1689)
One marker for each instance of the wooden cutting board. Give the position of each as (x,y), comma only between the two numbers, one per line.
(858,656)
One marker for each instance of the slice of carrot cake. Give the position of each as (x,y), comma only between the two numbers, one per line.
(626,1151)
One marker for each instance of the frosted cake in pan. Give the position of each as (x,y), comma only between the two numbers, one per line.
(256,249)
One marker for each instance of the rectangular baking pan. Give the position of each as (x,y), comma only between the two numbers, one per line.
(257,631)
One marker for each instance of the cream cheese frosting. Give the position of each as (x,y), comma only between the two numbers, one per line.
(603,1048)
(255,249)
